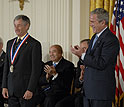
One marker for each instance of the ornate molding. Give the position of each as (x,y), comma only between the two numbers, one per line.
(21,3)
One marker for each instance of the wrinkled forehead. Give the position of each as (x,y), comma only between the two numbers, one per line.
(20,21)
(53,48)
(56,48)
(93,17)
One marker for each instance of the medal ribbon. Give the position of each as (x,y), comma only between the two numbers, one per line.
(17,50)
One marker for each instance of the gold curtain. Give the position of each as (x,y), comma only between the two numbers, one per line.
(92,7)
(106,4)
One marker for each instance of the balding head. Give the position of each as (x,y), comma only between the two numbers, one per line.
(55,53)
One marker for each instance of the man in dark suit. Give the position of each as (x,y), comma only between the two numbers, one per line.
(22,66)
(75,100)
(80,74)
(2,58)
(57,77)
(99,60)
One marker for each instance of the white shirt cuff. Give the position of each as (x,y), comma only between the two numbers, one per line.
(83,55)
(55,76)
(81,81)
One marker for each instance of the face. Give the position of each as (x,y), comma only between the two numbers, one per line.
(55,55)
(1,46)
(95,24)
(20,27)
(84,46)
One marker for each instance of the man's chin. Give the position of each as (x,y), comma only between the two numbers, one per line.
(94,31)
(17,33)
(52,59)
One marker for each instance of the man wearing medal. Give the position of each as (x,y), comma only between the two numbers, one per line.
(22,68)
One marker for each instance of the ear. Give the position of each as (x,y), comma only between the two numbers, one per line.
(103,22)
(27,26)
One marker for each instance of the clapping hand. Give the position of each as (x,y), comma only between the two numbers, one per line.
(50,70)
(76,50)
(82,72)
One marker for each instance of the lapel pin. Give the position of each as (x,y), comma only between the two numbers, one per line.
(98,41)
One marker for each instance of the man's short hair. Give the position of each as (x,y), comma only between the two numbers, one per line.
(102,14)
(85,40)
(25,19)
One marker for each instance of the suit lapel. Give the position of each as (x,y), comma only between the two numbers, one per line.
(2,58)
(59,65)
(22,48)
(97,43)
(3,55)
(90,45)
(99,39)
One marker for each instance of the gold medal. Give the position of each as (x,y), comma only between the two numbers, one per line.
(11,68)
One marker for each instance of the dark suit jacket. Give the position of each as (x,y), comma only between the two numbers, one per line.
(62,84)
(26,68)
(99,75)
(2,58)
(78,71)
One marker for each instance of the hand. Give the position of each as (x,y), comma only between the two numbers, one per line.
(82,67)
(77,50)
(50,70)
(5,93)
(47,69)
(48,76)
(28,95)
(76,46)
(53,71)
(81,75)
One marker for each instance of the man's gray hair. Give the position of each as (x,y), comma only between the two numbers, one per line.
(24,18)
(102,14)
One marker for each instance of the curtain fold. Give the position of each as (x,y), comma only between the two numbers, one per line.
(111,8)
(99,3)
(92,7)
(106,5)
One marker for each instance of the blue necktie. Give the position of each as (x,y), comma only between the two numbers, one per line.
(94,41)
(54,64)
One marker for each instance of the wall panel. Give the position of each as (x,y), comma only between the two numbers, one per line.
(52,22)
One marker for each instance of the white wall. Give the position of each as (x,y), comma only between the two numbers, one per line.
(52,22)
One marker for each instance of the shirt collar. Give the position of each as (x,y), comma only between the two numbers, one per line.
(98,34)
(57,62)
(21,37)
(1,53)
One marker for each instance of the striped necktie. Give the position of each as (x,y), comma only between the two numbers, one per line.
(16,45)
